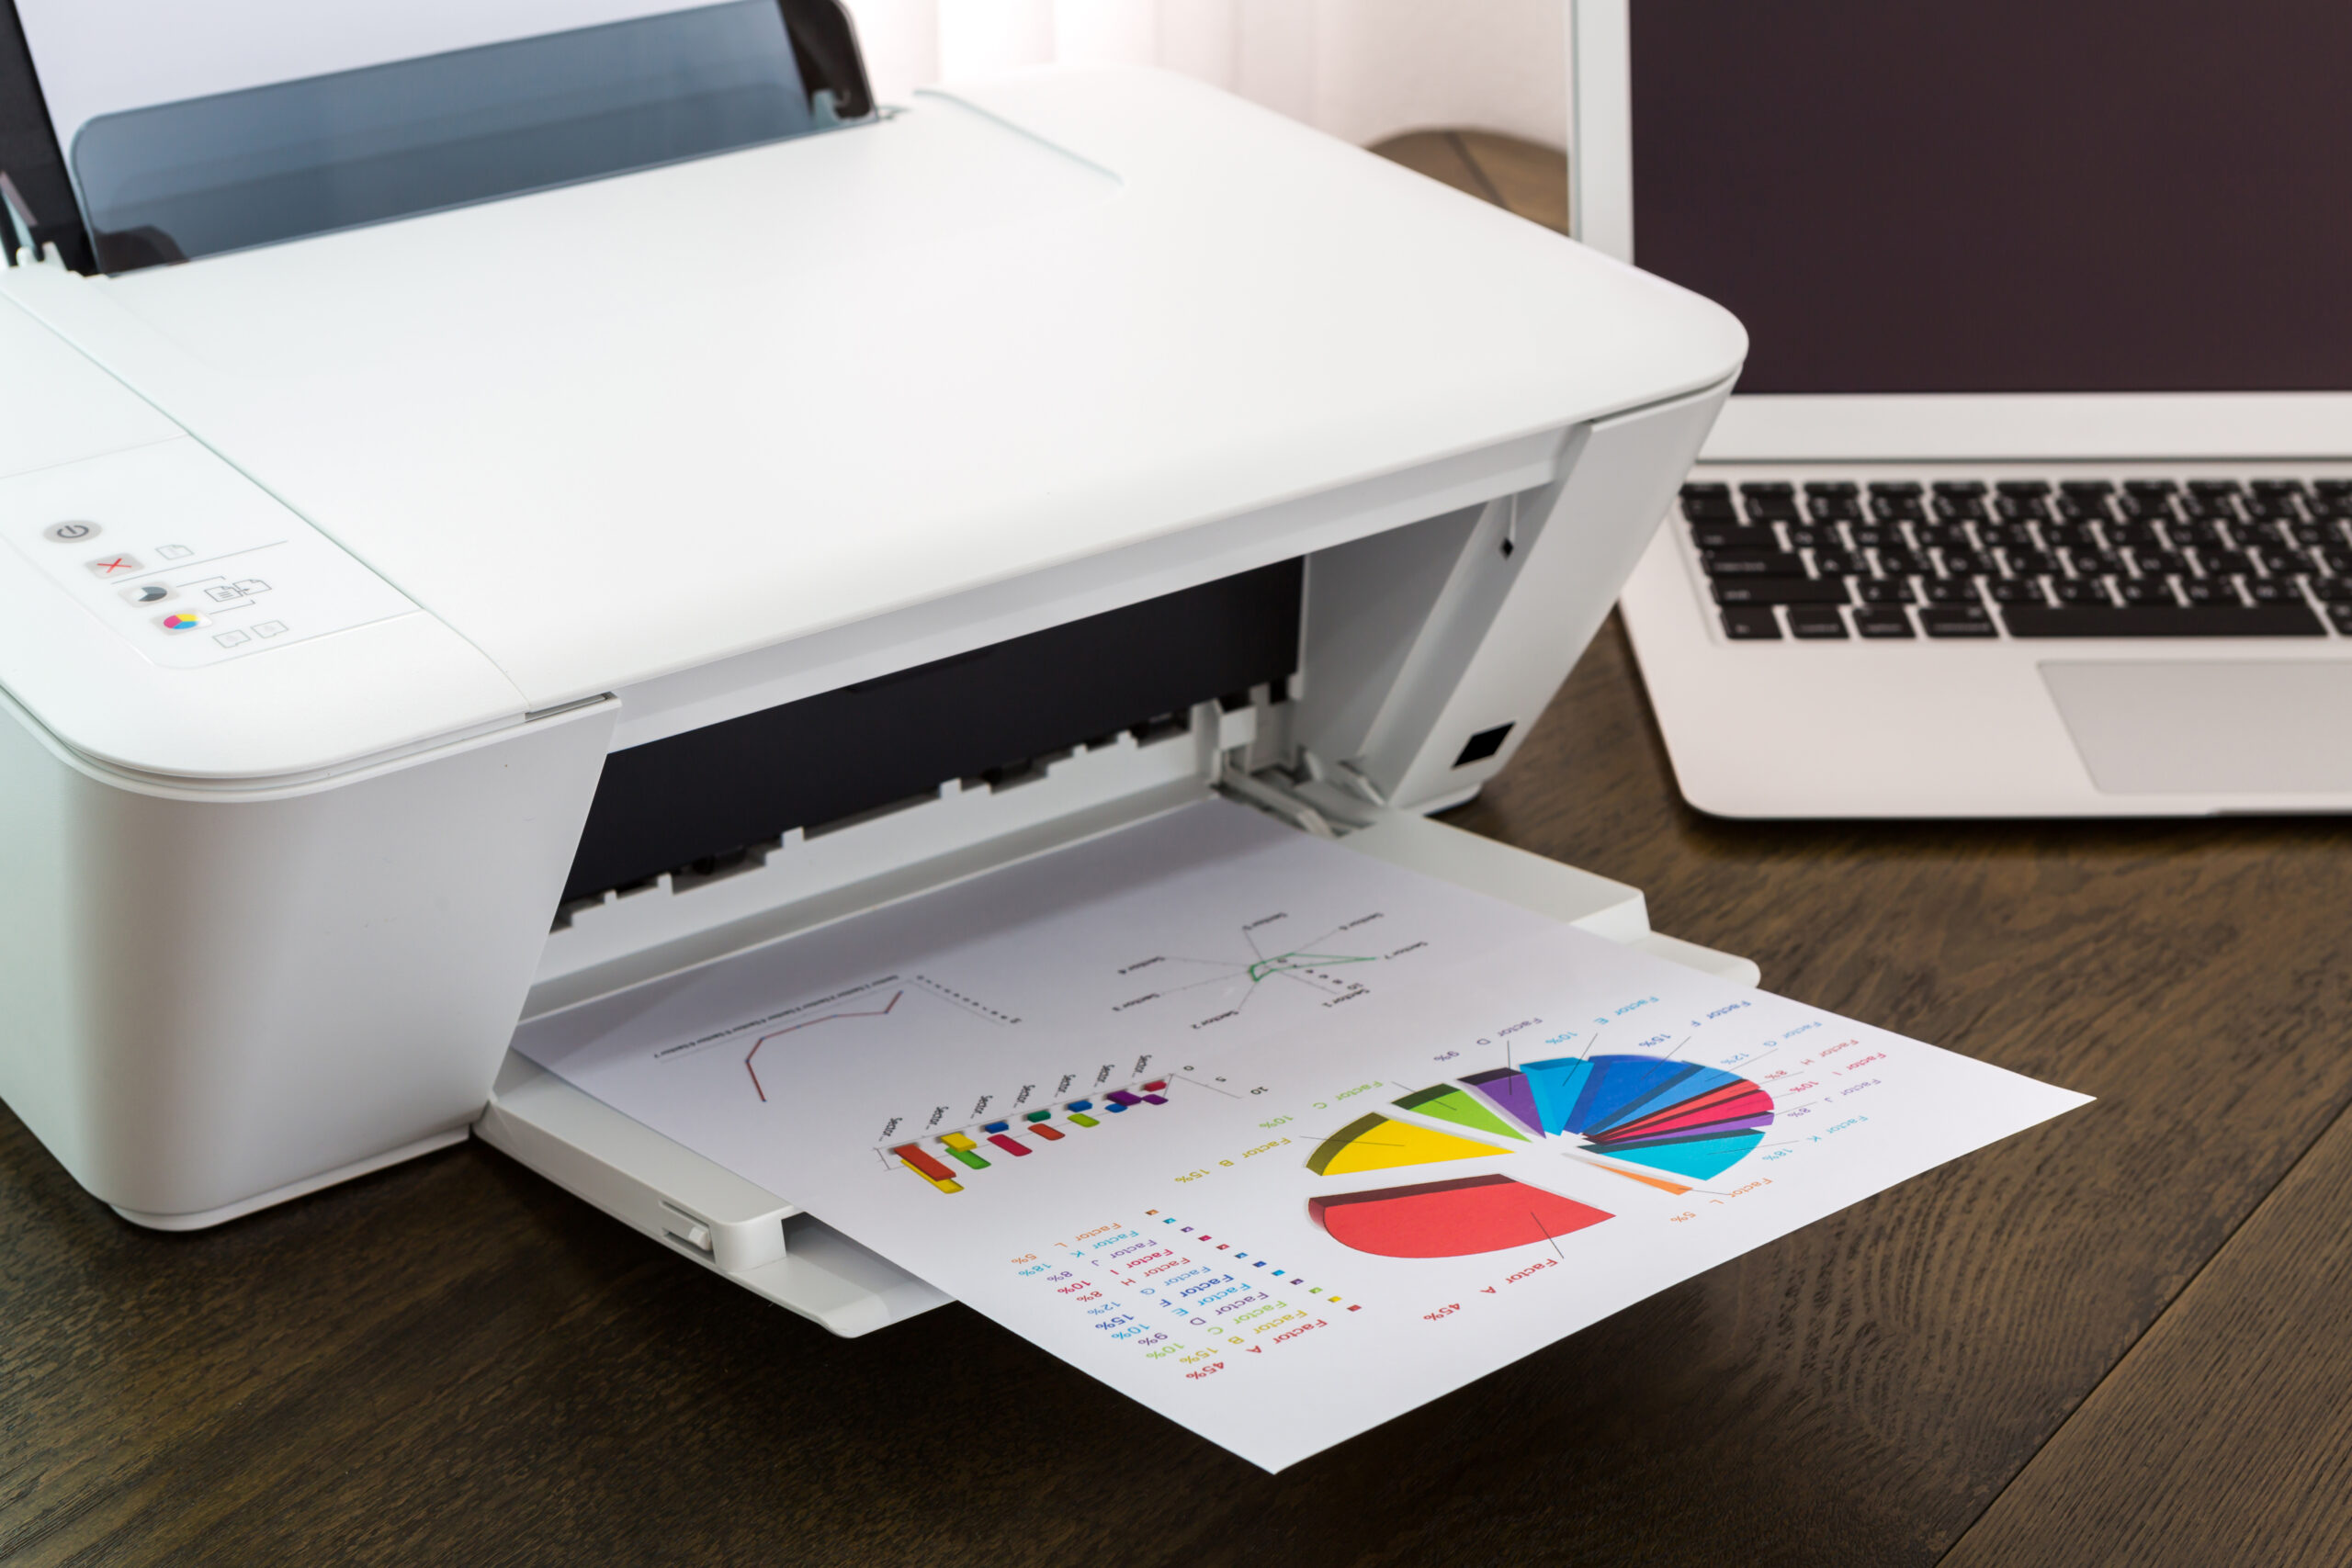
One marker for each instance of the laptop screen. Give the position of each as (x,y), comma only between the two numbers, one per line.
(2004,195)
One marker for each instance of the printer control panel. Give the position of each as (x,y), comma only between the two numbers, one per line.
(193,563)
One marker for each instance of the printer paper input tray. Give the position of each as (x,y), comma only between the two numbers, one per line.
(709,1214)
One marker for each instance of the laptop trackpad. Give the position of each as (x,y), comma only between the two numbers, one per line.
(2248,728)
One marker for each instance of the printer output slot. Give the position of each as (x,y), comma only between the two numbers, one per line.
(997,716)
(785,806)
(749,859)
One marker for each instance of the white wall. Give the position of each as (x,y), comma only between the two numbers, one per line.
(1364,70)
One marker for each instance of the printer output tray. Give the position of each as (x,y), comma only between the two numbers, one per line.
(763,1242)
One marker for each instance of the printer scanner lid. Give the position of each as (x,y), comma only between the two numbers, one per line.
(620,429)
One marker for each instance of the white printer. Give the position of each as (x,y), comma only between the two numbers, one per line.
(416,625)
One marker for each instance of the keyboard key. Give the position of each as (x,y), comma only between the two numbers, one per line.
(2333,589)
(2007,536)
(2266,591)
(2342,615)
(2153,562)
(1769,502)
(2021,508)
(2211,591)
(1836,563)
(2070,537)
(1730,536)
(2022,487)
(1900,563)
(2144,592)
(1755,623)
(1752,563)
(1779,590)
(2213,499)
(1972,621)
(1950,591)
(1958,487)
(1963,563)
(2028,563)
(1816,622)
(1831,503)
(1960,508)
(2279,562)
(1948,536)
(2093,563)
(1877,535)
(1710,504)
(1883,621)
(2223,563)
(2143,536)
(1896,507)
(2203,536)
(2086,488)
(1884,591)
(2191,620)
(2019,591)
(2082,592)
(1814,536)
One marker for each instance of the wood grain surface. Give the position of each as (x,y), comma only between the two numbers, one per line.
(2225,1437)
(454,1362)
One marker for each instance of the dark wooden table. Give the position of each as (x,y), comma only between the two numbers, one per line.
(2123,1337)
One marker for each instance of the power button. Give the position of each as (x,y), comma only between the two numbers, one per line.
(70,533)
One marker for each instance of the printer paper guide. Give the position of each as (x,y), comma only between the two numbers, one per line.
(1265,1000)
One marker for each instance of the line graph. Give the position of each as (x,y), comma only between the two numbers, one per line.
(1322,966)
(808,1023)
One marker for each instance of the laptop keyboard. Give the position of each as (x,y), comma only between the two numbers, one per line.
(1836,559)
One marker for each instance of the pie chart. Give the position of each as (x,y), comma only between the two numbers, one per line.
(1686,1122)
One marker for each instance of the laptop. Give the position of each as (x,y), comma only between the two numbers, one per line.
(2036,495)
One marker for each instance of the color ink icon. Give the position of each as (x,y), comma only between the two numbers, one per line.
(180,621)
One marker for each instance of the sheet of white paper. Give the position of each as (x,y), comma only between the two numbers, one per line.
(1289,1239)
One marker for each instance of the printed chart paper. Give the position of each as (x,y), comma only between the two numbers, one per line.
(1278,1139)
